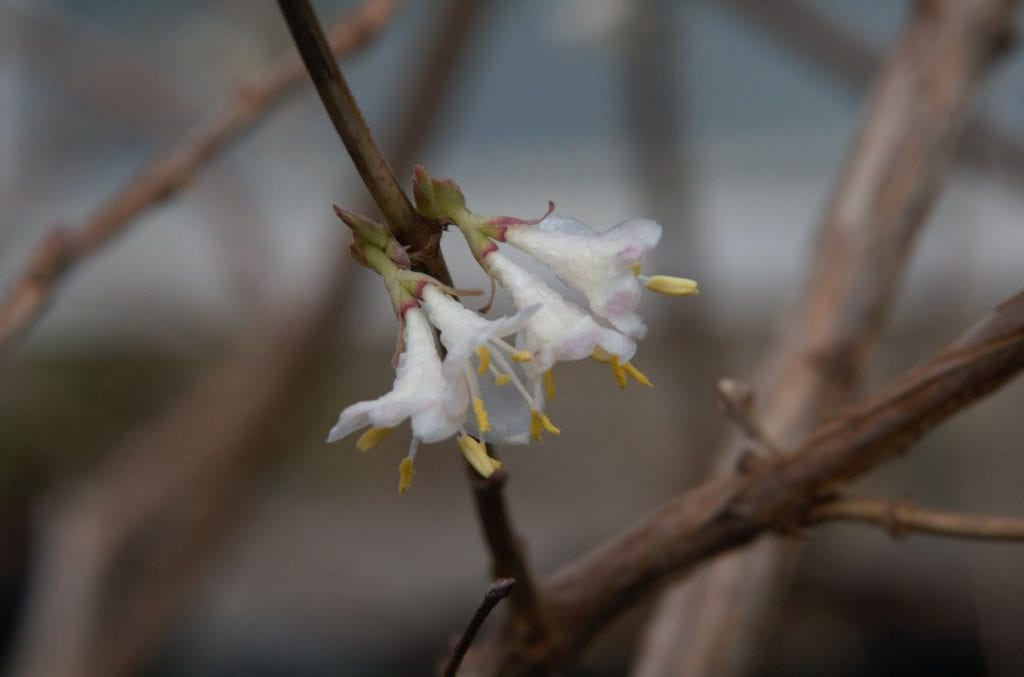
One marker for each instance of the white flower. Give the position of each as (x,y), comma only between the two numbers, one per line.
(601,267)
(502,415)
(560,330)
(420,393)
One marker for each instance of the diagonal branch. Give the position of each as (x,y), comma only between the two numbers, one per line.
(728,512)
(412,230)
(900,518)
(62,249)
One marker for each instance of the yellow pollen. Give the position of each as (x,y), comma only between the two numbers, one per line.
(476,453)
(635,267)
(485,360)
(502,379)
(549,384)
(672,286)
(535,425)
(482,422)
(405,473)
(617,371)
(549,426)
(636,374)
(372,438)
(520,356)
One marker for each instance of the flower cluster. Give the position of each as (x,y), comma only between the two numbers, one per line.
(479,386)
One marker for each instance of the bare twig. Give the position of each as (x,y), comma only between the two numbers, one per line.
(908,136)
(526,615)
(419,235)
(63,248)
(422,238)
(496,591)
(737,400)
(900,518)
(825,43)
(728,512)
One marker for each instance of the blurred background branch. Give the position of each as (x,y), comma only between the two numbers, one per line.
(900,518)
(897,166)
(63,248)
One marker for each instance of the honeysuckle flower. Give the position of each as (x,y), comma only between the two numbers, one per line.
(560,330)
(601,267)
(465,334)
(420,393)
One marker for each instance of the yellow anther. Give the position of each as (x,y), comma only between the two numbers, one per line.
(485,360)
(617,371)
(535,425)
(635,267)
(405,473)
(601,355)
(476,453)
(502,379)
(636,374)
(549,426)
(672,286)
(520,356)
(549,384)
(482,422)
(372,438)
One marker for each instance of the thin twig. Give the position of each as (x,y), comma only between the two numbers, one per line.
(496,591)
(507,558)
(526,615)
(63,248)
(908,136)
(419,235)
(737,400)
(901,517)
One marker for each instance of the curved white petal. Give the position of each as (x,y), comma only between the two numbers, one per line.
(419,391)
(597,265)
(462,332)
(559,330)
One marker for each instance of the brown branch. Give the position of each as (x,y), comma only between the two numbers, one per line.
(496,591)
(728,512)
(416,233)
(910,130)
(823,42)
(900,518)
(63,248)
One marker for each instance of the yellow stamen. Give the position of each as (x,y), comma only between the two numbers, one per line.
(548,425)
(482,422)
(405,473)
(485,360)
(520,356)
(635,267)
(535,425)
(600,354)
(617,371)
(636,374)
(502,379)
(672,286)
(476,453)
(371,438)
(549,384)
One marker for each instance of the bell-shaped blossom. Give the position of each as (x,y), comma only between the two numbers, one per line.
(504,407)
(601,267)
(560,330)
(421,393)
